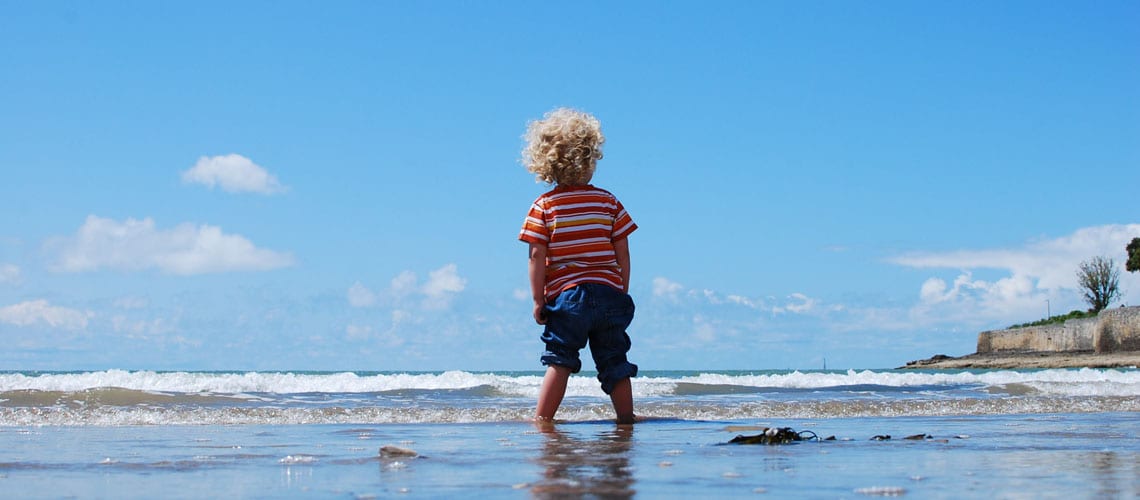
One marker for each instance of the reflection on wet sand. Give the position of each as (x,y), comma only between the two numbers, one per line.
(577,467)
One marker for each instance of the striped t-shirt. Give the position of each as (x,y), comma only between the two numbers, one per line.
(579,225)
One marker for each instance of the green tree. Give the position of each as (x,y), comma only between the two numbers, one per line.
(1133,264)
(1100,281)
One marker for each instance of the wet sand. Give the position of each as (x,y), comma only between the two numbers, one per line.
(1030,360)
(1072,455)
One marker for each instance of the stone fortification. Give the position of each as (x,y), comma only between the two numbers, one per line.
(1117,330)
(1113,330)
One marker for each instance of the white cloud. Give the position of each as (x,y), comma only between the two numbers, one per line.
(404,284)
(933,291)
(973,302)
(40,311)
(9,274)
(441,286)
(743,301)
(135,245)
(1038,272)
(798,303)
(140,328)
(360,296)
(1052,263)
(710,296)
(388,339)
(801,304)
(444,281)
(234,173)
(663,287)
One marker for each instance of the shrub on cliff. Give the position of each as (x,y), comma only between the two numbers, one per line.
(1100,281)
(1058,319)
(1133,248)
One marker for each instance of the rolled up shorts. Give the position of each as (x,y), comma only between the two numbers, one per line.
(596,314)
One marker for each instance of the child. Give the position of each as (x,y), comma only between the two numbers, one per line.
(579,261)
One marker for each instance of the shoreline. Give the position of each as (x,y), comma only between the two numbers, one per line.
(1029,360)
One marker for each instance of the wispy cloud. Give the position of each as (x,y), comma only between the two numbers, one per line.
(404,284)
(1038,271)
(136,328)
(664,287)
(233,173)
(135,245)
(9,274)
(360,296)
(795,303)
(387,339)
(441,287)
(358,332)
(798,303)
(985,288)
(1050,263)
(444,281)
(41,312)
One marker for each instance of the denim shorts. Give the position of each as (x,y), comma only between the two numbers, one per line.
(596,313)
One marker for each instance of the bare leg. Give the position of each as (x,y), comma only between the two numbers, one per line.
(553,389)
(622,397)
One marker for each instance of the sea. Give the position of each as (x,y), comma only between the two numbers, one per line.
(1055,433)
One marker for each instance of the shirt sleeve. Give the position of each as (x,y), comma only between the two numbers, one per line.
(534,228)
(623,223)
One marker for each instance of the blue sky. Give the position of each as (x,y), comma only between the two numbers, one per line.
(292,185)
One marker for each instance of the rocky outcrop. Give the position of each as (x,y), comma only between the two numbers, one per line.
(1110,340)
(1029,360)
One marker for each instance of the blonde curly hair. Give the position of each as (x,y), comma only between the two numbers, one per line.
(563,147)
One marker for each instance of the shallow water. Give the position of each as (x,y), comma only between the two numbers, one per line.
(998,434)
(1023,456)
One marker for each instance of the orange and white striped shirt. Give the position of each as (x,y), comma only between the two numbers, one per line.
(579,225)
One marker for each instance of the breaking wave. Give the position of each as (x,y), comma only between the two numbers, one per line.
(120,397)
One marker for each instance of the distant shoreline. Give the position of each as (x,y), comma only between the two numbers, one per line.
(1029,360)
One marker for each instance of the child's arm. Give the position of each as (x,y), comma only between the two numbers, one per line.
(537,273)
(621,252)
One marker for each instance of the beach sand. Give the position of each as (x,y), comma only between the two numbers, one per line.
(1029,360)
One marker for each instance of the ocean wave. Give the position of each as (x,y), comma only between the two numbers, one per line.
(115,396)
(572,411)
(251,385)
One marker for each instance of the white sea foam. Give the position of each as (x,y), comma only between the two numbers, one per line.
(1083,382)
(298,459)
(580,410)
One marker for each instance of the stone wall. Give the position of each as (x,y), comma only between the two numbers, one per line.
(1073,335)
(1113,330)
(1117,330)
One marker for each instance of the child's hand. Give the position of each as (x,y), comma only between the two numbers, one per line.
(540,313)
